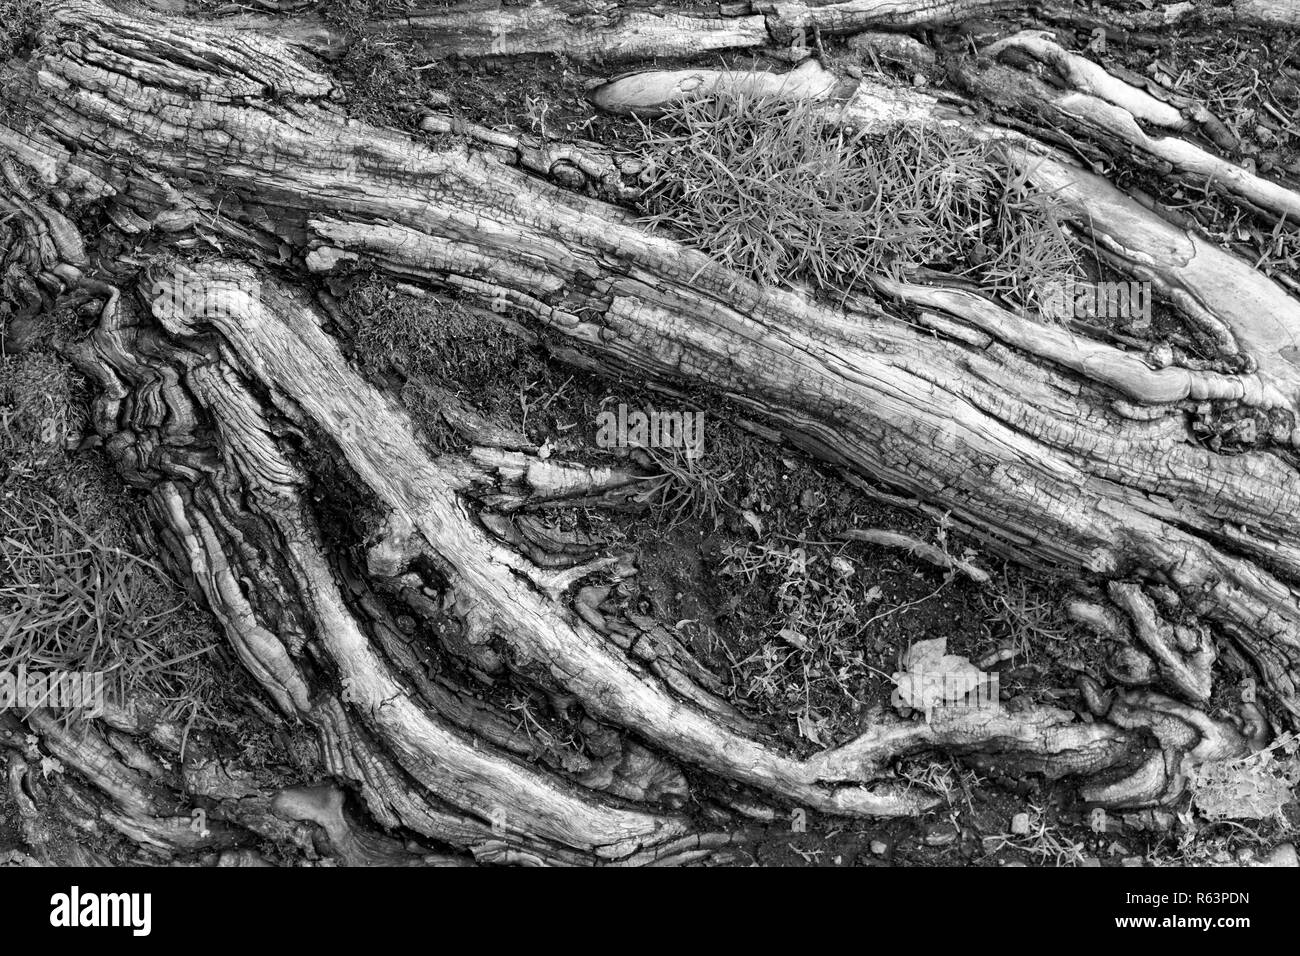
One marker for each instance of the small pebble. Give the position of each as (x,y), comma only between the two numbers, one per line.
(1020,824)
(940,835)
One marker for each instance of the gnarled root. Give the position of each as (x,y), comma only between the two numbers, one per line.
(219,403)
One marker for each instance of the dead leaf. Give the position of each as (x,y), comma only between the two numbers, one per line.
(931,676)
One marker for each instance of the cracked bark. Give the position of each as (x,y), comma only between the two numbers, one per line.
(1071,454)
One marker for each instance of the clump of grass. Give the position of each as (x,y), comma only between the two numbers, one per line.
(74,594)
(73,600)
(376,67)
(353,14)
(1022,616)
(20,22)
(687,488)
(425,335)
(944,779)
(1042,839)
(775,191)
(434,345)
(380,78)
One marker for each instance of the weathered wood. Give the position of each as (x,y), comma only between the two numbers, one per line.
(1111,113)
(573,28)
(1072,453)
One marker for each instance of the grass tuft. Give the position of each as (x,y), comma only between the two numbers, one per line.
(74,593)
(1254,787)
(773,190)
(20,23)
(72,601)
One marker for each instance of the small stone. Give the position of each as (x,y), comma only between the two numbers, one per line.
(1161,355)
(1020,824)
(940,834)
(1090,861)
(879,847)
(1132,861)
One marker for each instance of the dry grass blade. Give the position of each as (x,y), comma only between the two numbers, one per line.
(72,602)
(773,190)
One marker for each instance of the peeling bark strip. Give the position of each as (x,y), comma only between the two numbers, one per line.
(1061,451)
(788,19)
(575,28)
(604,31)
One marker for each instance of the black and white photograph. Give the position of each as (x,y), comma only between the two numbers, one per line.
(779,435)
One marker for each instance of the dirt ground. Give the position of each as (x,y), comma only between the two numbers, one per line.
(743,551)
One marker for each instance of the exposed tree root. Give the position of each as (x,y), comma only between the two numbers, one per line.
(217,388)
